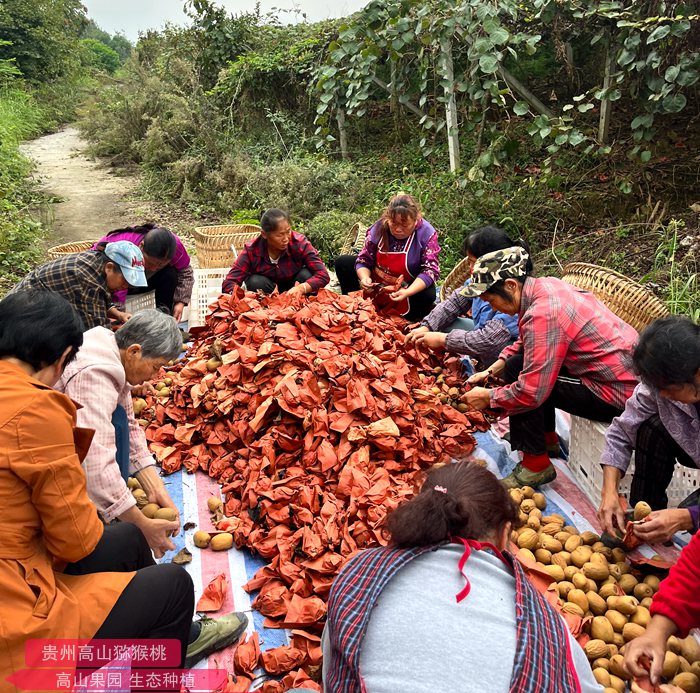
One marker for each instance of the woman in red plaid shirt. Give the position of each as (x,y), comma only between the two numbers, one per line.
(278,257)
(573,353)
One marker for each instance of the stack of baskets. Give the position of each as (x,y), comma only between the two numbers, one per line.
(218,246)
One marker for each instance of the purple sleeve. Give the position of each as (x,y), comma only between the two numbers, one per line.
(695,517)
(181,259)
(118,297)
(621,436)
(368,255)
(430,261)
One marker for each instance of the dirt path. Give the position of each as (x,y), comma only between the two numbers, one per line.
(89,199)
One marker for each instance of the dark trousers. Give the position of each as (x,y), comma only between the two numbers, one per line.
(569,394)
(421,303)
(655,457)
(347,276)
(257,282)
(163,282)
(157,603)
(120,421)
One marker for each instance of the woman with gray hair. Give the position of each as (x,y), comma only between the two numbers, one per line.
(100,378)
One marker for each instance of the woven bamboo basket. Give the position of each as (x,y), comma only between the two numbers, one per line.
(69,248)
(455,279)
(630,301)
(218,246)
(356,235)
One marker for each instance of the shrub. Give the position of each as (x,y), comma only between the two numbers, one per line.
(327,232)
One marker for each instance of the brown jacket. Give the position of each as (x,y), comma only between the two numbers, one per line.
(46,519)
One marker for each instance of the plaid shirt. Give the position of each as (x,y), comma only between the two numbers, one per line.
(254,259)
(562,326)
(80,279)
(543,659)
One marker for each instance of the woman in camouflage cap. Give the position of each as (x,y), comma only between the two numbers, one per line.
(572,354)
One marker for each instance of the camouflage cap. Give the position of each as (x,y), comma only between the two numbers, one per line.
(508,263)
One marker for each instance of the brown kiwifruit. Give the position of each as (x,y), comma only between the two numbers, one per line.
(166,514)
(150,509)
(222,542)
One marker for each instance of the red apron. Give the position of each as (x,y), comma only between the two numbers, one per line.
(388,268)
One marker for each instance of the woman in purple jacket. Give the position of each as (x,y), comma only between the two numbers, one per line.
(167,264)
(661,424)
(403,246)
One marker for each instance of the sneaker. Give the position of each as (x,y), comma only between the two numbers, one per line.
(214,635)
(521,476)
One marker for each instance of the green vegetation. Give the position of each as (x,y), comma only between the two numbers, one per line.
(20,118)
(48,65)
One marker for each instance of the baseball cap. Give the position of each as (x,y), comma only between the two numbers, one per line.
(130,260)
(508,263)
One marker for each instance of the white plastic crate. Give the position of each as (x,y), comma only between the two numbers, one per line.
(585,450)
(207,288)
(135,303)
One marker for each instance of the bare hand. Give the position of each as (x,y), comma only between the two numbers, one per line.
(610,513)
(119,315)
(163,499)
(157,533)
(649,647)
(414,334)
(432,340)
(399,295)
(661,525)
(143,390)
(478,398)
(478,377)
(177,311)
(298,289)
(366,282)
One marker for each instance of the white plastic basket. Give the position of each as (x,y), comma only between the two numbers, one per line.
(585,450)
(207,288)
(135,303)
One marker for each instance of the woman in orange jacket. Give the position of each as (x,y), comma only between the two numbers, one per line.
(63,574)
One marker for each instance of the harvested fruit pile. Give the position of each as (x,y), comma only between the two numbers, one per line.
(317,419)
(596,585)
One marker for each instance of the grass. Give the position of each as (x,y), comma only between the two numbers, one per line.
(20,237)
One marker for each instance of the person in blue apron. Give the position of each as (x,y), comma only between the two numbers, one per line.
(445,607)
(399,263)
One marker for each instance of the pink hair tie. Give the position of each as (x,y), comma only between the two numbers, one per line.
(441,489)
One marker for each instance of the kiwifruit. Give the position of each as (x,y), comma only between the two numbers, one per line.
(222,542)
(201,539)
(150,509)
(166,514)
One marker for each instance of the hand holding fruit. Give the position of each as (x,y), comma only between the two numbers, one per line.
(478,398)
(661,525)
